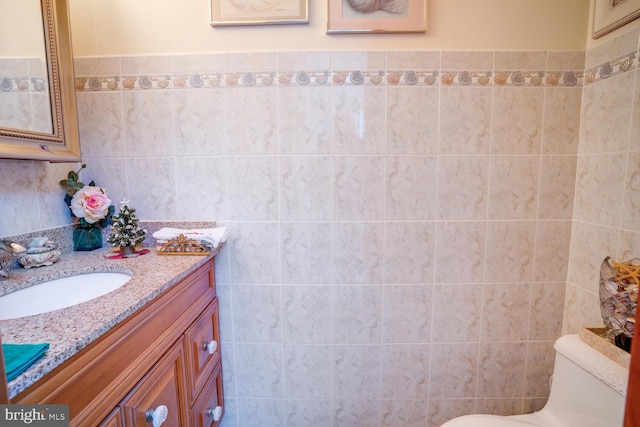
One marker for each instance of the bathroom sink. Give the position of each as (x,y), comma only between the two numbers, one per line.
(59,293)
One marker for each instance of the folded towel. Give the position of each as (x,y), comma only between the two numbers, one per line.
(212,237)
(18,357)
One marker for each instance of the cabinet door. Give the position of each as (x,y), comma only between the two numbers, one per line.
(208,409)
(114,419)
(161,387)
(203,350)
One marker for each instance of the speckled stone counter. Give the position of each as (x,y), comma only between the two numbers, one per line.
(71,329)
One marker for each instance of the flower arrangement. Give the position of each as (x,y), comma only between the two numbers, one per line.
(90,208)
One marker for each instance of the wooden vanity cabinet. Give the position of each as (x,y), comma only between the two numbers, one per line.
(160,388)
(167,354)
(203,411)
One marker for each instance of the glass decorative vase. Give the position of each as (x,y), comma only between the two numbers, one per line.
(619,285)
(87,239)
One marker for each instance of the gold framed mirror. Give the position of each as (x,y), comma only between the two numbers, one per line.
(38,117)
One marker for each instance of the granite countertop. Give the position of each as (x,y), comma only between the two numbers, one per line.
(71,329)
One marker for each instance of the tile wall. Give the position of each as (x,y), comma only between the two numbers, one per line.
(24,97)
(607,199)
(400,221)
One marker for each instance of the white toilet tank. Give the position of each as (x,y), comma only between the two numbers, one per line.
(588,390)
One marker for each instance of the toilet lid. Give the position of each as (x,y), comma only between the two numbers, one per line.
(492,421)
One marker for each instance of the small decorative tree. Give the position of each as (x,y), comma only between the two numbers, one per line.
(126,232)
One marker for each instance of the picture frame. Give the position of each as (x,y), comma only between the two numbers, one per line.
(609,15)
(371,16)
(258,12)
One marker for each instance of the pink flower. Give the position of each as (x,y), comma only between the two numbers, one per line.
(90,203)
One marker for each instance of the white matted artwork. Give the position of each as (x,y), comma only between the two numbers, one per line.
(377,16)
(258,12)
(609,15)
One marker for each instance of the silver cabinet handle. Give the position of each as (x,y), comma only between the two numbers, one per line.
(157,416)
(215,413)
(211,347)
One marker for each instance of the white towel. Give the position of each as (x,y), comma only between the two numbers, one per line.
(212,237)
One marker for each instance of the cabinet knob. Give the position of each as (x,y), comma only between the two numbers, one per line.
(157,416)
(211,346)
(215,413)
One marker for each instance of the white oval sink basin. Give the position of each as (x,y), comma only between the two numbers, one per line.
(59,293)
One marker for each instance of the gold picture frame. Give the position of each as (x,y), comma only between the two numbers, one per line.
(226,13)
(371,16)
(609,15)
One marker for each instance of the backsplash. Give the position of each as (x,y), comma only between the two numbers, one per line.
(400,222)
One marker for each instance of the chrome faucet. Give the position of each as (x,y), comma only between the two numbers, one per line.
(15,249)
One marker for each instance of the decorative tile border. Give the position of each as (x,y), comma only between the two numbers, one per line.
(466,78)
(564,78)
(23,84)
(357,78)
(304,78)
(518,78)
(412,78)
(335,78)
(619,65)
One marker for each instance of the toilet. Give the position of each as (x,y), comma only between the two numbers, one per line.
(587,390)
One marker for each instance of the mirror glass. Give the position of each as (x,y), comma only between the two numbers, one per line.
(37,94)
(24,87)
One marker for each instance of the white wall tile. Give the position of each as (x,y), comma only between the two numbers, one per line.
(510,247)
(357,312)
(454,370)
(304,121)
(253,188)
(254,133)
(516,120)
(148,123)
(407,314)
(307,371)
(412,120)
(306,247)
(456,313)
(513,187)
(501,369)
(356,370)
(199,122)
(259,370)
(358,119)
(411,187)
(405,371)
(462,187)
(465,120)
(505,312)
(460,252)
(306,315)
(409,252)
(305,187)
(308,413)
(257,314)
(357,252)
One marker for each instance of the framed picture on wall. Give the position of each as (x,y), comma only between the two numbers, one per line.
(609,15)
(258,12)
(377,16)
